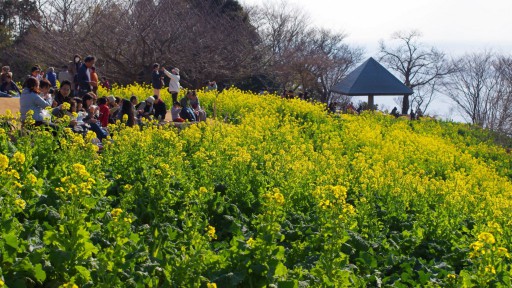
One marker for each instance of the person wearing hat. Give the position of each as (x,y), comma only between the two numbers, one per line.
(114,108)
(148,108)
(174,83)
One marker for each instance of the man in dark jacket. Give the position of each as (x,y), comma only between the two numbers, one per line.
(84,75)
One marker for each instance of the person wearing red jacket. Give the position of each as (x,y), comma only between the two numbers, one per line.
(104,111)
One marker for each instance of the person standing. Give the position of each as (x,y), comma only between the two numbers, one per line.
(94,79)
(156,79)
(84,75)
(74,66)
(174,82)
(51,76)
(65,75)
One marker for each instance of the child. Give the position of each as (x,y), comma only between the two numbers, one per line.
(104,111)
(175,112)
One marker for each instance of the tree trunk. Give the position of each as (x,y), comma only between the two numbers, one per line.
(405,105)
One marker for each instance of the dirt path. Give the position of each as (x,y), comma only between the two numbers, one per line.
(12,104)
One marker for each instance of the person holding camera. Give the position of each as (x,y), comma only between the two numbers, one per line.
(174,82)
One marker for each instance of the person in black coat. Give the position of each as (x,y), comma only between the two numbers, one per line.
(157,79)
(159,108)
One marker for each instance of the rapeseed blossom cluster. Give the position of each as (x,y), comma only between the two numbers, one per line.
(20,203)
(275,197)
(210,231)
(79,182)
(19,158)
(4,162)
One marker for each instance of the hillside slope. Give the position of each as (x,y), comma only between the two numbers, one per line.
(269,191)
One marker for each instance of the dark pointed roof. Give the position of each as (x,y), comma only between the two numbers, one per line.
(371,78)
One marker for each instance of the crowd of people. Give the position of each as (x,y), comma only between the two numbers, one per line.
(77,98)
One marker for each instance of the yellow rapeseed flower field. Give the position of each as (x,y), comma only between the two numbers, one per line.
(267,191)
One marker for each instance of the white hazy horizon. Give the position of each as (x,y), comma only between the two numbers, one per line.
(455,27)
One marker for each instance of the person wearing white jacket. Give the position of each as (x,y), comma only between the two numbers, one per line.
(174,83)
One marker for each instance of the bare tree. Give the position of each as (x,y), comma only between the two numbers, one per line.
(420,67)
(206,39)
(500,112)
(473,86)
(298,55)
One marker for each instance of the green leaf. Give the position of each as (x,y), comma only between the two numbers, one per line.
(84,272)
(280,270)
(135,237)
(11,240)
(89,249)
(39,273)
(368,259)
(50,237)
(279,253)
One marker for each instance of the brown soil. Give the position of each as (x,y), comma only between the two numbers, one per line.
(12,104)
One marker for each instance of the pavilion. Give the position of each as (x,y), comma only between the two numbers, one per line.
(372,79)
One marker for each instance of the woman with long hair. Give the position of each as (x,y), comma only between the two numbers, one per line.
(128,110)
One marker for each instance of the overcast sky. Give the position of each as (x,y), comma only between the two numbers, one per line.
(453,26)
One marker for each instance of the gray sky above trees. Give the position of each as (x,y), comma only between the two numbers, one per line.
(455,27)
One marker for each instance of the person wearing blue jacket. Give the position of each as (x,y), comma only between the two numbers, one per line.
(30,100)
(51,76)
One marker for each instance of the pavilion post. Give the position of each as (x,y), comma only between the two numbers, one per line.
(370,101)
